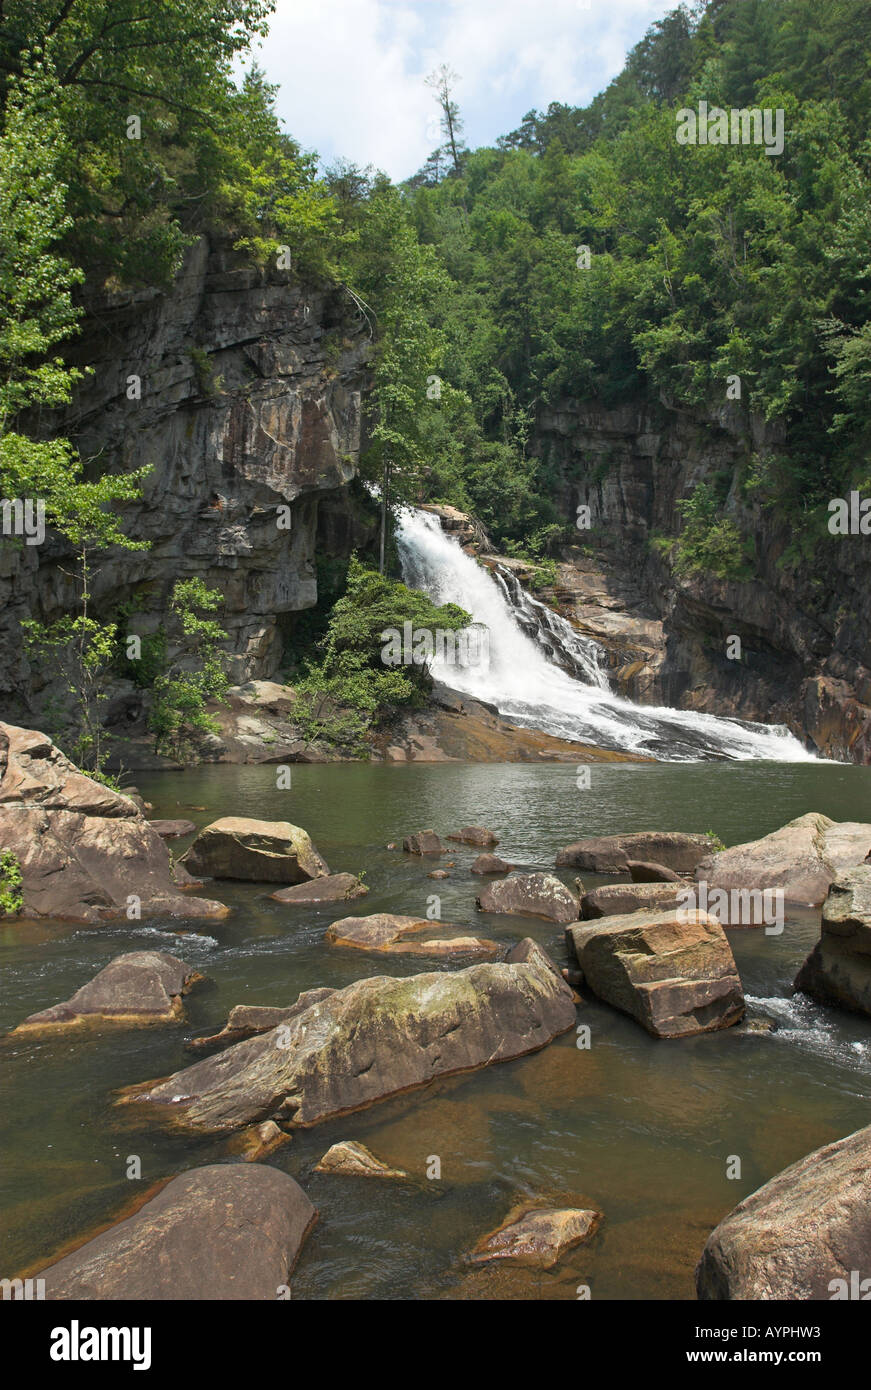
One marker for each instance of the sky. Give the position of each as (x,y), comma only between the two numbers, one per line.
(352,72)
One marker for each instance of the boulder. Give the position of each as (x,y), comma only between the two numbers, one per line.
(256,851)
(615,898)
(838,969)
(641,871)
(530,895)
(331,889)
(475,835)
(672,971)
(438,874)
(801,859)
(390,933)
(423,842)
(138,987)
(173,829)
(83,848)
(491,864)
(610,854)
(228,1231)
(805,1235)
(354,1160)
(259,1141)
(536,1236)
(375,1038)
(246,1020)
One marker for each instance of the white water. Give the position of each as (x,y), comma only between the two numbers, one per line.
(522,680)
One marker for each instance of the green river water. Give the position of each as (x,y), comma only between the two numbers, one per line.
(641,1129)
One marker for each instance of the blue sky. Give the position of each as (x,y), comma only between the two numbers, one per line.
(352,72)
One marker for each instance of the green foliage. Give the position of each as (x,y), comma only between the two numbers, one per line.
(11,894)
(196,675)
(708,540)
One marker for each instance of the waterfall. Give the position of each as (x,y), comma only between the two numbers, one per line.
(542,674)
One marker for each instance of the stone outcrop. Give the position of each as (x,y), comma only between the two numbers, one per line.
(353,1160)
(423,842)
(247,1020)
(530,895)
(84,849)
(805,1235)
(389,933)
(373,1039)
(256,851)
(674,972)
(173,829)
(139,987)
(610,854)
(332,888)
(646,872)
(801,859)
(475,835)
(838,969)
(490,864)
(615,898)
(536,1237)
(225,1232)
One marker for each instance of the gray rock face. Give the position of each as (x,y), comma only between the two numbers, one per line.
(838,970)
(84,849)
(530,895)
(139,987)
(805,1235)
(372,1039)
(615,898)
(228,1231)
(610,854)
(257,851)
(672,971)
(801,859)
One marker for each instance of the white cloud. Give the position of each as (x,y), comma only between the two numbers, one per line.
(352,72)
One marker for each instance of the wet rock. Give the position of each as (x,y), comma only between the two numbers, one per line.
(616,898)
(838,969)
(760,1024)
(641,871)
(331,889)
(84,849)
(255,851)
(373,1039)
(173,829)
(423,842)
(805,1235)
(354,1160)
(138,987)
(439,874)
(228,1231)
(673,972)
(491,864)
(475,835)
(391,933)
(801,859)
(530,895)
(535,1236)
(610,854)
(247,1020)
(259,1141)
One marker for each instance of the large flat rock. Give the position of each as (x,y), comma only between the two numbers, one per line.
(228,1231)
(805,1235)
(610,854)
(87,853)
(374,1038)
(333,888)
(801,859)
(255,851)
(838,969)
(138,987)
(672,971)
(388,933)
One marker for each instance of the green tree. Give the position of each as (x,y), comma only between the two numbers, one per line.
(179,718)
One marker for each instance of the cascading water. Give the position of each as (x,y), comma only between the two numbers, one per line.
(542,674)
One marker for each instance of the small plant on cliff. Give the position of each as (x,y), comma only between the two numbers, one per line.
(179,718)
(11,894)
(709,541)
(717,845)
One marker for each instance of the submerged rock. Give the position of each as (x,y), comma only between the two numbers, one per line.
(616,898)
(85,851)
(491,864)
(333,888)
(805,1235)
(475,835)
(423,842)
(228,1231)
(673,972)
(138,987)
(537,1236)
(610,854)
(374,1038)
(530,895)
(838,969)
(256,851)
(259,1141)
(801,859)
(354,1160)
(388,932)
